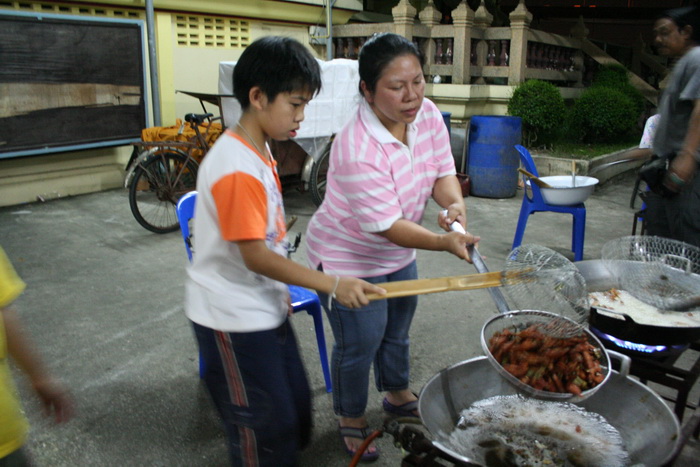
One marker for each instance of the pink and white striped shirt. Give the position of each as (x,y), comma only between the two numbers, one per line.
(373,181)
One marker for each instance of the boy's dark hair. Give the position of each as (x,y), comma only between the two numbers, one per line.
(379,51)
(275,64)
(685,16)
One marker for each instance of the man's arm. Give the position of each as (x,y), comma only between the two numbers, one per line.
(684,165)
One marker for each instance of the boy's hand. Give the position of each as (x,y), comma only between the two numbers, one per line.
(54,400)
(352,292)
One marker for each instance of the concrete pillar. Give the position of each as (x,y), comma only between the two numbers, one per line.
(462,21)
(482,17)
(429,16)
(579,33)
(520,19)
(404,14)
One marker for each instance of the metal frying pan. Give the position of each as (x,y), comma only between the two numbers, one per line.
(658,271)
(647,425)
(600,278)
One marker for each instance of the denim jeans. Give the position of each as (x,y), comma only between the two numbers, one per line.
(259,387)
(374,335)
(677,218)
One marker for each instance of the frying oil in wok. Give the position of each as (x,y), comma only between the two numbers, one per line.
(517,431)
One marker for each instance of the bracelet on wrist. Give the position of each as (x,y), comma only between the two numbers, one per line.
(676,179)
(331,296)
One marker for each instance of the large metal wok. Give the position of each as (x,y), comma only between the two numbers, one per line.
(600,278)
(648,427)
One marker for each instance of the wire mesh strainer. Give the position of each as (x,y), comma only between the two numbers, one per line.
(658,271)
(554,283)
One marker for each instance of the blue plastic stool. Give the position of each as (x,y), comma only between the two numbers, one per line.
(301,298)
(306,300)
(535,203)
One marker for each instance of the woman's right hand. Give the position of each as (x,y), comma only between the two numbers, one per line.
(352,292)
(457,243)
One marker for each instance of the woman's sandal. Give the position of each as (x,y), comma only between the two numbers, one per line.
(358,433)
(408,409)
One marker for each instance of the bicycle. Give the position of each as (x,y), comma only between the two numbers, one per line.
(319,175)
(163,171)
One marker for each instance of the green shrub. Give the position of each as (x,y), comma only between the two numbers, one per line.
(611,76)
(540,106)
(602,115)
(615,76)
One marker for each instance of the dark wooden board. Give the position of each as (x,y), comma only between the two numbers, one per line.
(68,81)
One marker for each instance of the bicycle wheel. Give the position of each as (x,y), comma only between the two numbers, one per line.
(158,184)
(319,172)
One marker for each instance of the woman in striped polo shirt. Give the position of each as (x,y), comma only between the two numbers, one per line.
(385,164)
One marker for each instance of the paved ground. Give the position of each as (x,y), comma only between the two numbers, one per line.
(104,306)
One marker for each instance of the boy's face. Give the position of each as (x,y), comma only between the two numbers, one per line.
(670,40)
(283,115)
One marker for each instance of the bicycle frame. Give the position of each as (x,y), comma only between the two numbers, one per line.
(154,148)
(149,148)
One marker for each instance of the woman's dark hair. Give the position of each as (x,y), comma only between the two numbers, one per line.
(276,65)
(379,51)
(685,16)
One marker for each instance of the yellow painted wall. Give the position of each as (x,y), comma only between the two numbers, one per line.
(26,179)
(190,68)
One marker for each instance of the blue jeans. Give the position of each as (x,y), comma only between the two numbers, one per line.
(259,387)
(376,334)
(677,218)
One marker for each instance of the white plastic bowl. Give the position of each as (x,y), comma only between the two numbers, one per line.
(563,193)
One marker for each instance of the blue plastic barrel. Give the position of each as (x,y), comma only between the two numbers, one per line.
(446,118)
(492,162)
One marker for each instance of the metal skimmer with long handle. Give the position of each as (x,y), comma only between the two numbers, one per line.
(537,277)
(552,273)
(659,271)
(535,270)
(551,283)
(498,299)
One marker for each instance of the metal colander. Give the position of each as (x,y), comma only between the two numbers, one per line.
(553,283)
(658,271)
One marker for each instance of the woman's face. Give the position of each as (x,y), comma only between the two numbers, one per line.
(399,92)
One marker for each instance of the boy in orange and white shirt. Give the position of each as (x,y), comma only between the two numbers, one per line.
(236,293)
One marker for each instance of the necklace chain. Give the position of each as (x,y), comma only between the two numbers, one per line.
(262,153)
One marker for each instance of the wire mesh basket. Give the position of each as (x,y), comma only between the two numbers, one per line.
(552,283)
(515,322)
(661,272)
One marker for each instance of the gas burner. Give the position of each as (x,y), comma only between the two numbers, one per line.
(660,364)
(421,452)
(635,349)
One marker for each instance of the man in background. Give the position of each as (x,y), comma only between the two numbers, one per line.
(673,210)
